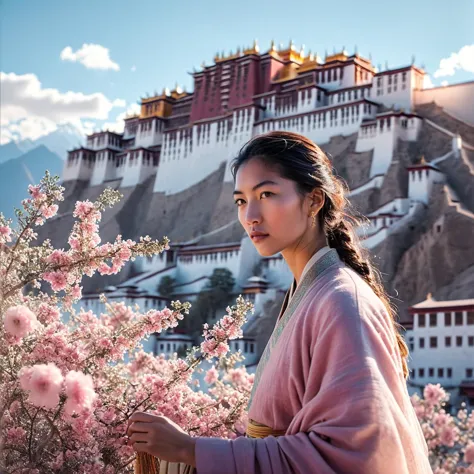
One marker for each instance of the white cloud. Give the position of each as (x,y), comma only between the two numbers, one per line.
(30,111)
(92,56)
(133,68)
(444,83)
(118,125)
(462,60)
(427,82)
(34,127)
(6,136)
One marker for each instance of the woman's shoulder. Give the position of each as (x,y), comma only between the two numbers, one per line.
(341,290)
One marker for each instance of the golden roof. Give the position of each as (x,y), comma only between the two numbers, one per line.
(223,57)
(310,62)
(342,56)
(291,54)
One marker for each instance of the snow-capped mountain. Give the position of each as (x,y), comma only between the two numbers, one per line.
(64,138)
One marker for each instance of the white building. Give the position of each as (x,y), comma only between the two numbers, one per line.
(441,342)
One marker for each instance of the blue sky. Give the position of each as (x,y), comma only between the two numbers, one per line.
(155,44)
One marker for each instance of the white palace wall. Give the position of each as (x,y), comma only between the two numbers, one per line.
(456,99)
(193,266)
(149,133)
(137,168)
(392,91)
(104,167)
(420,183)
(205,155)
(78,167)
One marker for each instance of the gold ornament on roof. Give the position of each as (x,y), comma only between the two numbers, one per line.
(253,50)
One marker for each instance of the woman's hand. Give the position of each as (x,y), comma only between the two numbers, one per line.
(160,437)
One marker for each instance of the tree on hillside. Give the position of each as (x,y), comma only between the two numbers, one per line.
(212,300)
(166,286)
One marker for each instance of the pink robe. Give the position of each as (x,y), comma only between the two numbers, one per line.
(331,376)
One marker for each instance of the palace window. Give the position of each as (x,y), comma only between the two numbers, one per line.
(421,373)
(458,341)
(447,341)
(458,318)
(421,320)
(470,341)
(422,343)
(411,344)
(470,318)
(431,372)
(433,342)
(449,372)
(447,319)
(468,373)
(433,317)
(440,372)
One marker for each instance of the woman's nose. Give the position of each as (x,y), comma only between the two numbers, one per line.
(253,214)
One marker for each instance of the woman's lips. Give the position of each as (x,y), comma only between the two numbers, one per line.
(259,238)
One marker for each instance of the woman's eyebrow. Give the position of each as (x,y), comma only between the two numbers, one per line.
(259,185)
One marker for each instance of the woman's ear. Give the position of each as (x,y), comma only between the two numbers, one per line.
(317,200)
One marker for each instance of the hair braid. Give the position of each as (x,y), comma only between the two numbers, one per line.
(342,237)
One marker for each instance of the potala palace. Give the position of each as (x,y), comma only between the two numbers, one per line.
(406,152)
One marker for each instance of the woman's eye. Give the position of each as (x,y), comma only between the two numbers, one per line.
(266,192)
(238,202)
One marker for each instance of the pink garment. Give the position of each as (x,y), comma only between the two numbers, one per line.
(331,376)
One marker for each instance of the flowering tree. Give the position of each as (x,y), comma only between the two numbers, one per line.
(66,392)
(450,438)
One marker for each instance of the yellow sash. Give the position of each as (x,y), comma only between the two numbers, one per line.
(257,430)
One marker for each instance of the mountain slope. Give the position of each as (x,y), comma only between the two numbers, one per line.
(16,174)
(9,151)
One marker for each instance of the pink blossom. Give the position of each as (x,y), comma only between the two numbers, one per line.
(48,314)
(35,191)
(469,452)
(125,253)
(14,407)
(74,243)
(19,321)
(59,257)
(448,436)
(39,221)
(82,209)
(16,436)
(49,211)
(76,292)
(80,392)
(434,394)
(57,280)
(441,419)
(5,233)
(43,381)
(211,376)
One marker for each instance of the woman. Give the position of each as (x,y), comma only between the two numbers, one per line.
(330,390)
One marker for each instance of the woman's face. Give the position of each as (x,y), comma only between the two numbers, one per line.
(269,204)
